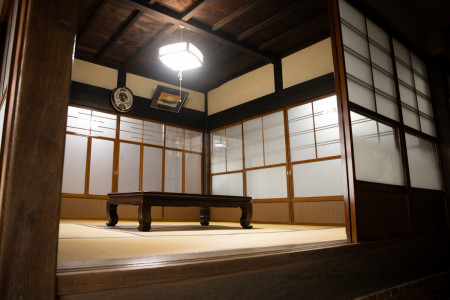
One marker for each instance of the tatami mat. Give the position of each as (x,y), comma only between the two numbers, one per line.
(91,240)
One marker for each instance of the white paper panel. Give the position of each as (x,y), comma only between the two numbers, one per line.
(404,74)
(103,124)
(234,148)
(407,96)
(377,34)
(410,118)
(302,146)
(355,41)
(387,106)
(419,66)
(421,85)
(228,184)
(253,143)
(173,172)
(327,128)
(74,172)
(193,141)
(423,162)
(153,133)
(299,112)
(79,120)
(100,178)
(384,83)
(218,145)
(401,52)
(351,15)
(427,126)
(131,129)
(425,106)
(376,151)
(360,95)
(381,59)
(267,183)
(318,179)
(193,173)
(129,165)
(174,137)
(152,169)
(358,68)
(274,140)
(301,132)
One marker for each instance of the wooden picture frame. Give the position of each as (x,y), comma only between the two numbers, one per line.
(168,99)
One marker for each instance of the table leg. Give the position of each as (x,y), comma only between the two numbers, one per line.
(205,216)
(111,212)
(145,218)
(246,217)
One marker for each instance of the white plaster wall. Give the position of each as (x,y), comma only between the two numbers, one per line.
(93,74)
(307,64)
(247,87)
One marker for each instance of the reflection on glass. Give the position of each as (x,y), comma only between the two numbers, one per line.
(253,143)
(193,173)
(173,174)
(301,132)
(274,140)
(153,133)
(218,146)
(326,127)
(174,137)
(234,148)
(193,141)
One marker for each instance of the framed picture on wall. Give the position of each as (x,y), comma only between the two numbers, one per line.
(169,99)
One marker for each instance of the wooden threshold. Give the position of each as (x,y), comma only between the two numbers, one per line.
(78,277)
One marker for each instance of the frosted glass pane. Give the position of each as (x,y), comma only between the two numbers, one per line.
(418,65)
(376,151)
(103,124)
(173,172)
(274,140)
(421,85)
(301,132)
(153,133)
(387,106)
(131,129)
(410,118)
(100,177)
(425,106)
(351,15)
(129,165)
(384,83)
(152,169)
(427,126)
(79,120)
(318,179)
(355,41)
(377,34)
(401,52)
(360,95)
(228,184)
(267,183)
(404,74)
(74,171)
(253,143)
(358,68)
(174,137)
(234,148)
(193,173)
(193,141)
(327,128)
(218,151)
(407,96)
(381,59)
(423,163)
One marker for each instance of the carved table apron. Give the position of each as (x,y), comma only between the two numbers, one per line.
(145,201)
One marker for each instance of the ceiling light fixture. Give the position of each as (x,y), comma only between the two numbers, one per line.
(181,56)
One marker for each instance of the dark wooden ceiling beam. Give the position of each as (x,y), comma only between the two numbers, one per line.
(191,11)
(196,27)
(281,37)
(169,28)
(92,19)
(279,15)
(127,24)
(240,11)
(151,2)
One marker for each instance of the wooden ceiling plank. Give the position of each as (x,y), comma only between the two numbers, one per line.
(92,19)
(240,11)
(279,15)
(196,27)
(280,37)
(127,24)
(169,28)
(191,11)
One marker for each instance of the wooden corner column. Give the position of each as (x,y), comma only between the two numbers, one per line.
(33,146)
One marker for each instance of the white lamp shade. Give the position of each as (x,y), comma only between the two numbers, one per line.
(181,56)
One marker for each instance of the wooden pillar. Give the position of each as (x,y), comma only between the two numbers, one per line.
(31,175)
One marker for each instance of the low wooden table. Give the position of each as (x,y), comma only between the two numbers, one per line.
(145,201)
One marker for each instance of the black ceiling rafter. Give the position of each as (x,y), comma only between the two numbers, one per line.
(193,9)
(235,14)
(92,19)
(279,15)
(169,28)
(151,2)
(125,26)
(163,14)
(282,36)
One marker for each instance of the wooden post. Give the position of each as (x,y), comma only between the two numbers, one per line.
(32,161)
